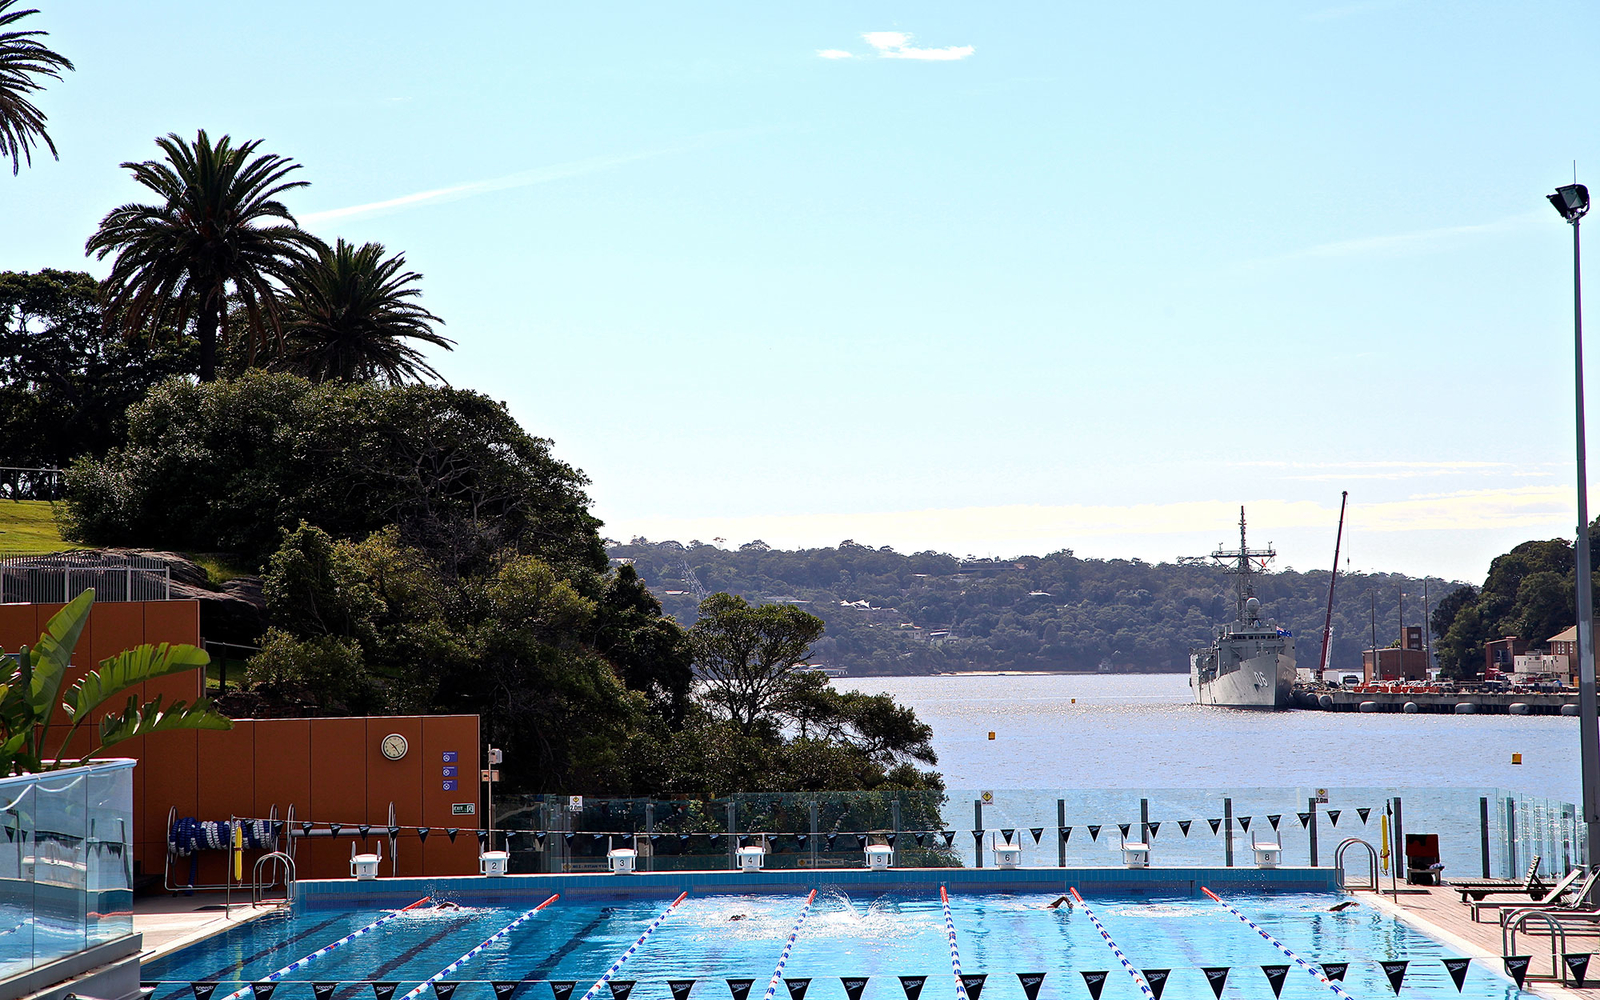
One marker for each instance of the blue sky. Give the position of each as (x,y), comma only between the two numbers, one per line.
(1000,279)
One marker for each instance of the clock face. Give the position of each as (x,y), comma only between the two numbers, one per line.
(394,746)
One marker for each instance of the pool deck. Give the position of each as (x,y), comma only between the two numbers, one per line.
(1439,912)
(172,922)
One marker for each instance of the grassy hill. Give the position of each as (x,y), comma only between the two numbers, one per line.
(29,526)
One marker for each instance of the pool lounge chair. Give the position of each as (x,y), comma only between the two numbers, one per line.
(1551,900)
(1478,888)
(1576,907)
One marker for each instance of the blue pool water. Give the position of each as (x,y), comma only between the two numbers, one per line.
(882,937)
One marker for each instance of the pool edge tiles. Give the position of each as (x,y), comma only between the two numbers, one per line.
(511,890)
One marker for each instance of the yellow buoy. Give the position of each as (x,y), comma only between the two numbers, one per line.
(238,852)
(1516,758)
(1383,844)
(991,734)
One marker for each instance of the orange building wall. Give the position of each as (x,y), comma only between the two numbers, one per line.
(330,770)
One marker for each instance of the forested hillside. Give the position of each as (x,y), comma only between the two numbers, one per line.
(929,612)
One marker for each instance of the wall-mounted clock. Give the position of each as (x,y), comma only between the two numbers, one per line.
(394,746)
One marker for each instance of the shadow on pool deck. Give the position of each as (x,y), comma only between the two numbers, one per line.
(171,922)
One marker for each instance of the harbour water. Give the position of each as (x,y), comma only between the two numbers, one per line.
(1143,730)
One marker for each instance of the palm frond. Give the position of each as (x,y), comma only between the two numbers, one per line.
(24,60)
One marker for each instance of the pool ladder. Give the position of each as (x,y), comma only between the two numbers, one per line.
(1372,884)
(269,865)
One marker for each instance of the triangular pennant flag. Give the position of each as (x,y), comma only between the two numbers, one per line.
(1183,825)
(949,838)
(323,991)
(1214,824)
(1217,978)
(973,985)
(1031,981)
(861,840)
(1578,963)
(1094,833)
(1007,834)
(365,828)
(1275,977)
(1037,831)
(977,836)
(305,829)
(394,831)
(1124,828)
(1244,823)
(831,838)
(385,991)
(797,988)
(1066,834)
(422,833)
(562,988)
(683,838)
(1096,981)
(1335,970)
(505,989)
(1517,968)
(1305,818)
(1154,828)
(334,828)
(1333,816)
(920,838)
(655,837)
(1156,979)
(801,838)
(620,988)
(714,837)
(1457,967)
(1274,820)
(853,986)
(444,990)
(912,985)
(483,837)
(740,988)
(203,991)
(264,991)
(889,838)
(744,840)
(1363,814)
(539,836)
(452,831)
(1396,971)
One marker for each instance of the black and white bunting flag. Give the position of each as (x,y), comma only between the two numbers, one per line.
(1517,968)
(365,829)
(505,989)
(920,838)
(1214,824)
(853,986)
(1183,825)
(740,988)
(1124,827)
(1156,979)
(422,833)
(1363,814)
(264,991)
(831,838)
(1066,834)
(1333,816)
(1094,833)
(912,985)
(1096,981)
(797,988)
(1274,820)
(1037,831)
(1154,828)
(889,838)
(1396,971)
(1008,834)
(1216,978)
(683,838)
(1305,818)
(384,991)
(949,838)
(334,828)
(453,830)
(977,837)
(1335,970)
(1457,967)
(801,838)
(1244,823)
(305,829)
(1578,964)
(744,840)
(203,991)
(561,988)
(483,839)
(620,988)
(322,991)
(1031,981)
(680,988)
(973,985)
(1276,974)
(861,840)
(444,990)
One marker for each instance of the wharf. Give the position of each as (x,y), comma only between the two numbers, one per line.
(1539,703)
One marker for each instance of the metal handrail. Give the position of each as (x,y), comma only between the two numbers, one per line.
(258,886)
(1508,939)
(1372,857)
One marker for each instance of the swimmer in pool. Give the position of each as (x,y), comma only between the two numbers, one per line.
(445,904)
(1058,903)
(737,916)
(1343,906)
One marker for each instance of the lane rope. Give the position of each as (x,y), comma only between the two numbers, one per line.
(307,960)
(1316,973)
(617,965)
(491,939)
(783,959)
(955,955)
(1138,977)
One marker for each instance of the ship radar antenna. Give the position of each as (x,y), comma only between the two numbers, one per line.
(1237,563)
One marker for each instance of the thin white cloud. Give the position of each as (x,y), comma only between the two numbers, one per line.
(897,45)
(1417,241)
(835,54)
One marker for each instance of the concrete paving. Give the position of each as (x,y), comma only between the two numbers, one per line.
(171,922)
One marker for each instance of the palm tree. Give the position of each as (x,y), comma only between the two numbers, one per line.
(352,316)
(218,228)
(23,58)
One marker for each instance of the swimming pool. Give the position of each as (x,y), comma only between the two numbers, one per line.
(714,938)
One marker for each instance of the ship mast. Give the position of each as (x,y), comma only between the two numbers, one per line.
(1237,563)
(1327,625)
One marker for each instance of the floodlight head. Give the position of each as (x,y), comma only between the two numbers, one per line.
(1571,200)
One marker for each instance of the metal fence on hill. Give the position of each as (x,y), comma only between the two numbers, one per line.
(62,576)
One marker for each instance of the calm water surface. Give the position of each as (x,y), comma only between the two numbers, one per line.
(1142,730)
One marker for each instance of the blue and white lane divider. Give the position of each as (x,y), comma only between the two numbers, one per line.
(249,990)
(783,959)
(1144,987)
(955,955)
(1315,972)
(616,966)
(464,959)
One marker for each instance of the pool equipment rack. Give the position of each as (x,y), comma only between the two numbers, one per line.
(464,959)
(300,963)
(1312,970)
(788,946)
(638,943)
(1105,936)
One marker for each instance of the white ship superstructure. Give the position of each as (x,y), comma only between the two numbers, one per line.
(1250,663)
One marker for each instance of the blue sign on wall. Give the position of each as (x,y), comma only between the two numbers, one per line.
(450,756)
(449,771)
(449,785)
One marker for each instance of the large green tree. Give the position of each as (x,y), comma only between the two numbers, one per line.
(353,316)
(747,655)
(218,229)
(25,61)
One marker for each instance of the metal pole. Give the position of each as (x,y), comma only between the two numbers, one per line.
(1399,838)
(1144,822)
(1588,716)
(1511,837)
(733,836)
(814,834)
(1483,832)
(1227,832)
(894,809)
(1327,624)
(1311,825)
(977,829)
(649,836)
(1061,826)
